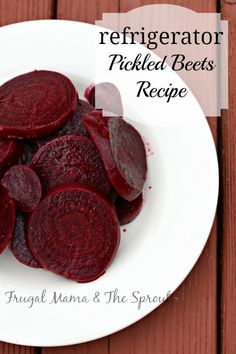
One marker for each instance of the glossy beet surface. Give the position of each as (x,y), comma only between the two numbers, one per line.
(69,159)
(19,246)
(74,232)
(122,151)
(23,186)
(36,104)
(7,218)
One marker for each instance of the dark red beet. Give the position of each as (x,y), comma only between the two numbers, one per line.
(29,150)
(10,150)
(7,218)
(128,211)
(75,125)
(23,186)
(105,96)
(113,195)
(122,151)
(18,244)
(36,104)
(69,159)
(74,232)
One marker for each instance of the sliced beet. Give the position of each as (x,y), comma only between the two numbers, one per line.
(128,211)
(10,150)
(105,96)
(36,104)
(7,218)
(122,151)
(74,232)
(75,125)
(23,186)
(19,246)
(69,159)
(113,195)
(29,150)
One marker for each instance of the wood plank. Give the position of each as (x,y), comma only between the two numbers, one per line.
(228,180)
(6,348)
(100,346)
(12,11)
(187,323)
(84,11)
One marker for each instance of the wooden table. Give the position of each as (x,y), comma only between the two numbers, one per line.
(200,317)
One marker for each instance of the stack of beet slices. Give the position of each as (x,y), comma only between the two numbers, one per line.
(69,176)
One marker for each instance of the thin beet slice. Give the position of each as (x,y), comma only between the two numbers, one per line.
(128,211)
(69,159)
(23,186)
(19,246)
(75,125)
(122,151)
(105,96)
(36,104)
(10,150)
(7,218)
(74,232)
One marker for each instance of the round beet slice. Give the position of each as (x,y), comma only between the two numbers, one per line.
(19,246)
(10,150)
(36,104)
(74,232)
(128,211)
(75,125)
(23,186)
(69,159)
(105,96)
(7,218)
(122,151)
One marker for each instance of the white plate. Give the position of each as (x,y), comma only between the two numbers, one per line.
(158,250)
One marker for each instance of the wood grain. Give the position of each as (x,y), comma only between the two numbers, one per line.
(6,348)
(12,11)
(100,346)
(85,11)
(228,180)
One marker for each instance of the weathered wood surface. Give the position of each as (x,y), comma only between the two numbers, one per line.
(187,323)
(228,193)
